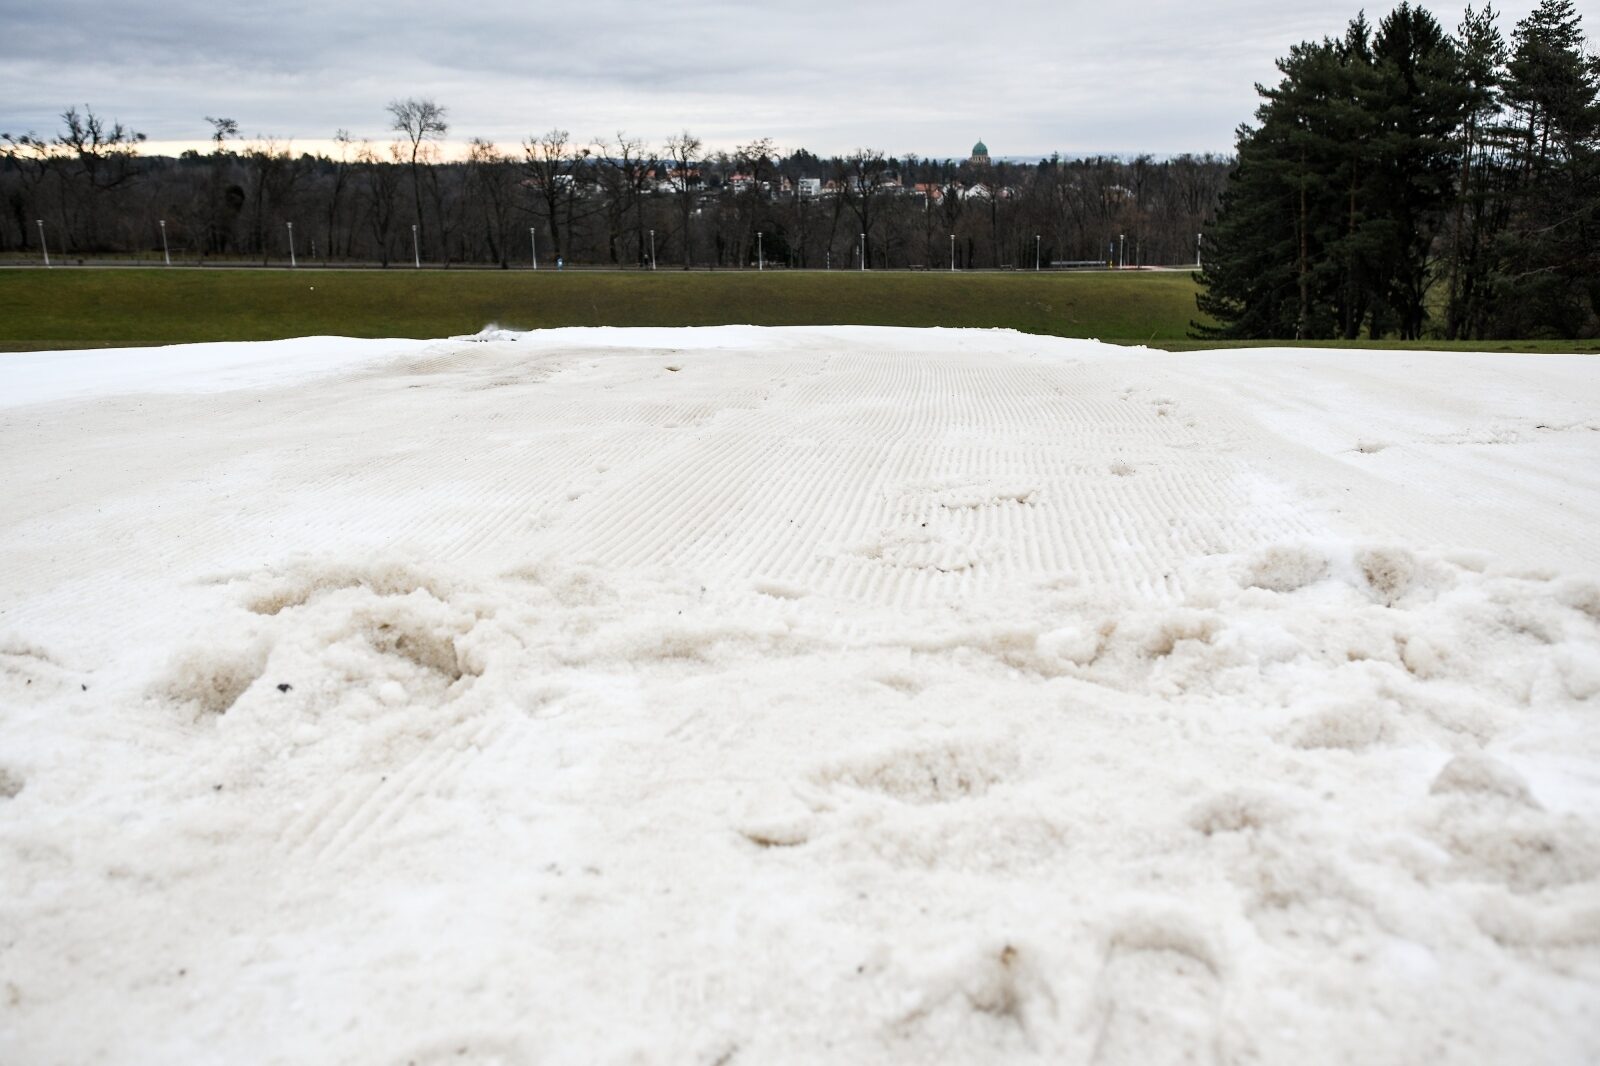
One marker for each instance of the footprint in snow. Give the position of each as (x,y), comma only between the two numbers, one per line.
(1157,997)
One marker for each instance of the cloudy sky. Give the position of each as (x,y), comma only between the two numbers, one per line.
(1028,76)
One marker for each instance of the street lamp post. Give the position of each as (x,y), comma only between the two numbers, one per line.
(416,249)
(863,251)
(652,249)
(165,254)
(1122,251)
(1035,253)
(43,247)
(952,253)
(761,261)
(1197,238)
(292,263)
(533,246)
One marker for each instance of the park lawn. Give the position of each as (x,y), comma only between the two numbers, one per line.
(86,308)
(133,306)
(1537,346)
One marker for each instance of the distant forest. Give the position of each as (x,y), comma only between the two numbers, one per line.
(1400,180)
(603,202)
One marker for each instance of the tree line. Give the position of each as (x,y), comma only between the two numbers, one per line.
(1403,180)
(610,201)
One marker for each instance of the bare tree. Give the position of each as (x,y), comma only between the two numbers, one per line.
(557,172)
(221,130)
(28,156)
(107,159)
(548,160)
(755,161)
(625,174)
(341,177)
(221,205)
(381,179)
(422,122)
(273,173)
(683,149)
(863,176)
(491,181)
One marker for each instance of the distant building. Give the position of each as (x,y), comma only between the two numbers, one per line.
(810,188)
(675,180)
(980,155)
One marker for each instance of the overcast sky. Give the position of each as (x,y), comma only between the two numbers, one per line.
(1028,76)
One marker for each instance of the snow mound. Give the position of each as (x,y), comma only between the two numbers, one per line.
(725,695)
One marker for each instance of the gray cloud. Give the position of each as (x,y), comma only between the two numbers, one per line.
(1029,76)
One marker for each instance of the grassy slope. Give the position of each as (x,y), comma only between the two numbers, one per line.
(87,308)
(135,306)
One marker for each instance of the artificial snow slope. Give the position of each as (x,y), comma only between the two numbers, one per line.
(761,696)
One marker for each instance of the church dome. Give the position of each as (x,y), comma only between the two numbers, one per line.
(980,149)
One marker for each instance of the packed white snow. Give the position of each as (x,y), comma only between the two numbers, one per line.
(763,696)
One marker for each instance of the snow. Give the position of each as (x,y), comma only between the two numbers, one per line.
(40,377)
(748,695)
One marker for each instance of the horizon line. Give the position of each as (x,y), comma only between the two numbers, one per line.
(455,151)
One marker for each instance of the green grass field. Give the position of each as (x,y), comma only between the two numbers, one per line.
(83,308)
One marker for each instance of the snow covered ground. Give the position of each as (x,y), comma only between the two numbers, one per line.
(759,696)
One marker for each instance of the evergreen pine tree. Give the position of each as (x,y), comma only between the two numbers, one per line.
(1478,212)
(1548,275)
(1396,172)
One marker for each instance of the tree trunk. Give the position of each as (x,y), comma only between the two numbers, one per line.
(1305,255)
